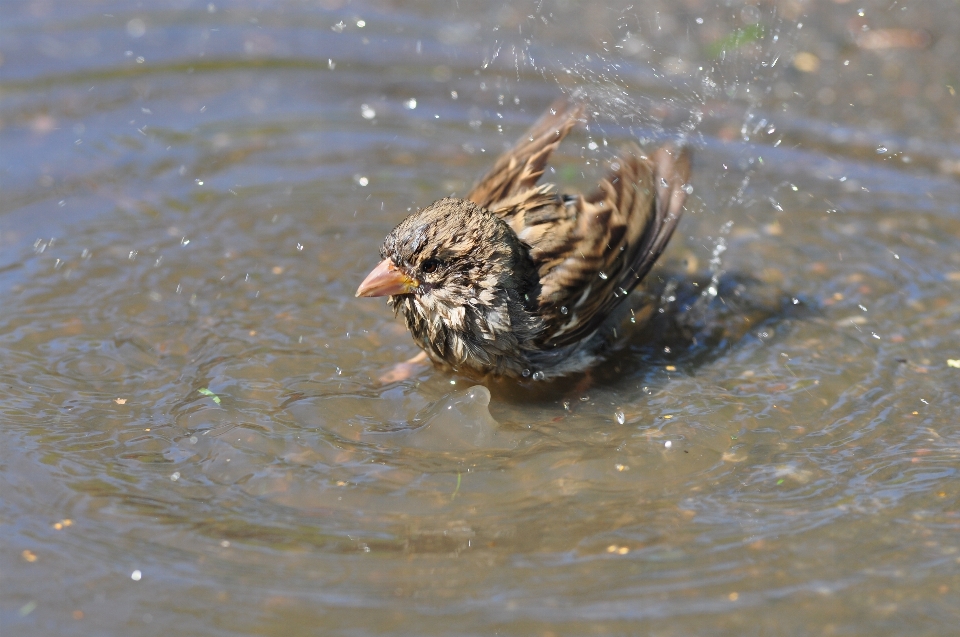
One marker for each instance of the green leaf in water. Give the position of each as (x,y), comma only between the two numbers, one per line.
(457,490)
(207,392)
(735,40)
(780,481)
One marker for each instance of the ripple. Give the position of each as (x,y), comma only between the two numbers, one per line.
(91,366)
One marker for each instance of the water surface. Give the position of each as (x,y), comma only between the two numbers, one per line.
(192,434)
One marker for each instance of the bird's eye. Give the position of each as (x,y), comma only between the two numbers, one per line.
(430,266)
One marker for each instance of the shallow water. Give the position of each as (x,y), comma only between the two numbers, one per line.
(192,192)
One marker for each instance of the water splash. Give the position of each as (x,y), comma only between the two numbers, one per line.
(710,78)
(459,421)
(716,261)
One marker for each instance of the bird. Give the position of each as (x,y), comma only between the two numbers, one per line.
(519,280)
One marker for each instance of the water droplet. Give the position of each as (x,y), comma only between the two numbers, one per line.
(621,417)
(564,310)
(136,575)
(603,275)
(539,375)
(136,28)
(688,188)
(175,476)
(592,145)
(668,444)
(361,23)
(338,27)
(525,373)
(411,103)
(367,111)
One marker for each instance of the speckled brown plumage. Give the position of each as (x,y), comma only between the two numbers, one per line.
(517,279)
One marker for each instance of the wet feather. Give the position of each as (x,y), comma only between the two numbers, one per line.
(517,278)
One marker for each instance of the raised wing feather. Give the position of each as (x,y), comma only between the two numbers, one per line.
(609,243)
(519,168)
(590,252)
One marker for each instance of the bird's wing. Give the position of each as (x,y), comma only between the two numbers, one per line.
(592,251)
(519,168)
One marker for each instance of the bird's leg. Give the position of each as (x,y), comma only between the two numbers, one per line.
(404,370)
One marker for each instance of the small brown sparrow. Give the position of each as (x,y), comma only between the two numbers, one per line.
(518,280)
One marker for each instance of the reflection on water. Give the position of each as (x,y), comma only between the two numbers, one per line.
(192,191)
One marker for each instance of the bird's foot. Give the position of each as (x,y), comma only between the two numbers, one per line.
(404,370)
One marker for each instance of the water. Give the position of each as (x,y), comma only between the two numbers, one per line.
(193,434)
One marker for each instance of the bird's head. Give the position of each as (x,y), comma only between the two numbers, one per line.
(449,256)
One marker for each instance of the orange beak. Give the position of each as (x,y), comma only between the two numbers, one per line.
(387,280)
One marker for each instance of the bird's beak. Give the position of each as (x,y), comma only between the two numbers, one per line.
(386,280)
